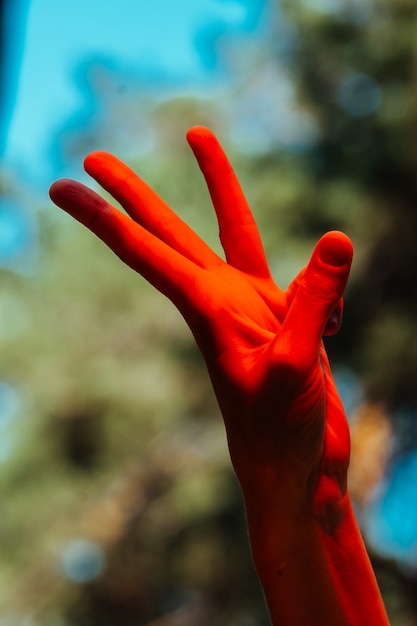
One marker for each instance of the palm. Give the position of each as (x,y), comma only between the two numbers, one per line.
(247,354)
(262,345)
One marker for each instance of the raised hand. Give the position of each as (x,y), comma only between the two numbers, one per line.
(287,432)
(262,345)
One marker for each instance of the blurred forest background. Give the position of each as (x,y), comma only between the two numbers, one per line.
(118,503)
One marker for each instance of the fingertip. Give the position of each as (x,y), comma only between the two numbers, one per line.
(76,199)
(62,189)
(199,133)
(54,189)
(96,160)
(335,249)
(202,141)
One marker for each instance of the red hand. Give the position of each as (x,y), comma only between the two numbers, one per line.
(286,427)
(262,345)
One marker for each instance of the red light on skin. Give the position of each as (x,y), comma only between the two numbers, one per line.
(287,431)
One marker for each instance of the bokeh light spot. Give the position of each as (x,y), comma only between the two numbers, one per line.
(392,521)
(359,95)
(82,560)
(349,388)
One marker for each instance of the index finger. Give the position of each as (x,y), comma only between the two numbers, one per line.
(165,268)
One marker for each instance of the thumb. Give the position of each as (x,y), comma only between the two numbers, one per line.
(319,293)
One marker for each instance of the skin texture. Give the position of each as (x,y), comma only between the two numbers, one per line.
(287,431)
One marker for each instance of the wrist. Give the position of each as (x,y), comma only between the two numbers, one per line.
(320,497)
(310,557)
(281,514)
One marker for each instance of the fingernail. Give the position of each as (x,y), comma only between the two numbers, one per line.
(335,250)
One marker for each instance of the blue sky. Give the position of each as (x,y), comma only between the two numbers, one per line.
(148,34)
(49,40)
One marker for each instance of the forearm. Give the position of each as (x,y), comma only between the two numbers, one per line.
(312,563)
